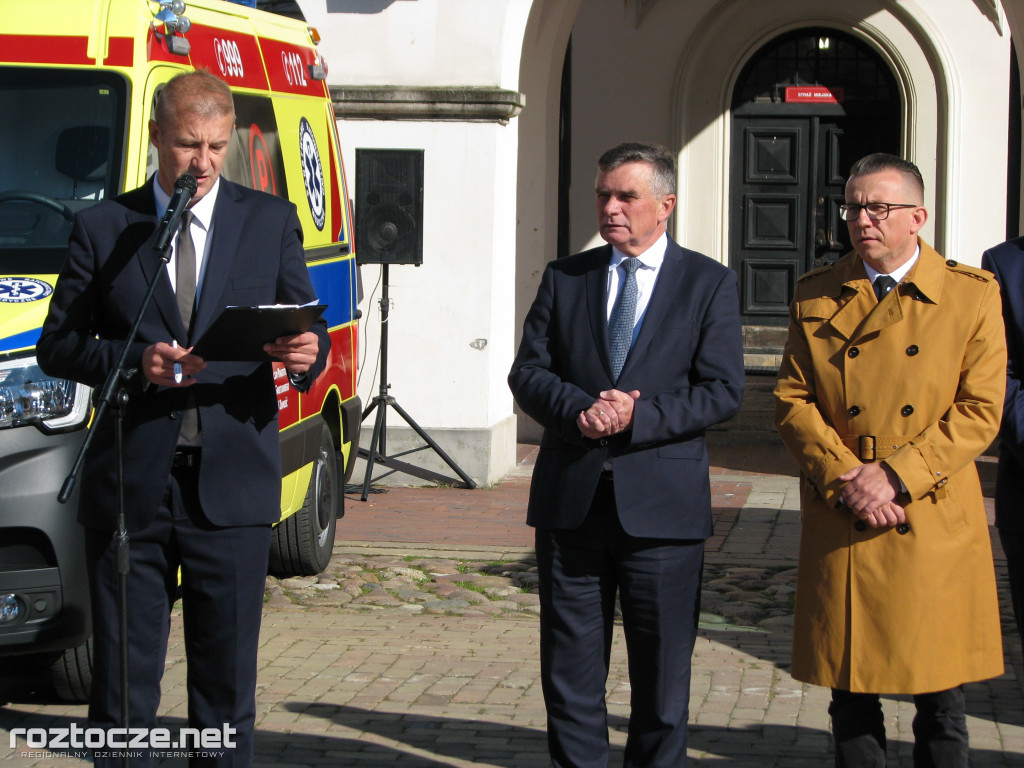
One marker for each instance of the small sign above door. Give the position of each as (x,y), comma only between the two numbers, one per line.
(813,94)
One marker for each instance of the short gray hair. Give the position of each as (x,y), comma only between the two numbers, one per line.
(198,93)
(663,164)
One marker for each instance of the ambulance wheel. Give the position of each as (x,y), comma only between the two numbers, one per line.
(28,196)
(71,673)
(302,544)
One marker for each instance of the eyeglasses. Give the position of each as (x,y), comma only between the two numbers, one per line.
(876,211)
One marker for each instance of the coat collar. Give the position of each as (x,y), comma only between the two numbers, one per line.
(860,313)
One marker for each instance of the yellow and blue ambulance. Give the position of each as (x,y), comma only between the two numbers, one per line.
(78,81)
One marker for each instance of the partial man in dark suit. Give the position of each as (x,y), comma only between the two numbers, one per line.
(629,353)
(1006,261)
(202,458)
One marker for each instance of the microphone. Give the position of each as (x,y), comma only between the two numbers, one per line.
(184,190)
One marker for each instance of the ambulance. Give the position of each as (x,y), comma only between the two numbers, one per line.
(78,82)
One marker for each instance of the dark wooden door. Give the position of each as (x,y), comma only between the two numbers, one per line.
(830,238)
(787,183)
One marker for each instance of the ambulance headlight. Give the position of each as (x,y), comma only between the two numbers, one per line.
(28,397)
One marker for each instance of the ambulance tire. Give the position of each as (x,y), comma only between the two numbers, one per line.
(71,673)
(302,544)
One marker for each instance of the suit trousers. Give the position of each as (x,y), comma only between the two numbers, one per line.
(940,730)
(658,582)
(1013,546)
(223,576)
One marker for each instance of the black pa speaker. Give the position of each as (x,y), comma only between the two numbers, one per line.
(389,206)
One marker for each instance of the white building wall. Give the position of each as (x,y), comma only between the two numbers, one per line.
(667,75)
(660,70)
(446,316)
(975,56)
(421,42)
(451,320)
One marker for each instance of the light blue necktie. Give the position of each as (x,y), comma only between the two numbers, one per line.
(620,324)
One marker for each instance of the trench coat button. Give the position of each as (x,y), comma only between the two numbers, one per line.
(912,350)
(603,442)
(854,351)
(854,410)
(950,262)
(175,414)
(860,525)
(903,528)
(906,410)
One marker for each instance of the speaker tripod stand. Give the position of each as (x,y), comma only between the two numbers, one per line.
(376,453)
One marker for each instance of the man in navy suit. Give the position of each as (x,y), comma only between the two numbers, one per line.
(202,458)
(629,353)
(1006,261)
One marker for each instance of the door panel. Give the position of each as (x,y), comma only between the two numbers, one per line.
(831,238)
(771,184)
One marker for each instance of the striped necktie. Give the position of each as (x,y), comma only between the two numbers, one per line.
(623,318)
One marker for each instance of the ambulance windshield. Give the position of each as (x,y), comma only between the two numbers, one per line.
(60,151)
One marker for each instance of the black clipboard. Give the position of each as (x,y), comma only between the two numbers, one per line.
(239,333)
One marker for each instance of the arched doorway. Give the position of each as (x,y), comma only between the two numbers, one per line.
(805,107)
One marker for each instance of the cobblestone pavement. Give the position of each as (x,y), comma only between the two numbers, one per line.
(417,647)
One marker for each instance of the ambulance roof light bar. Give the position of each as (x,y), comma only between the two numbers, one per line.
(171,15)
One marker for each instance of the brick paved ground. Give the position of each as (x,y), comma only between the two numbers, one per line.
(378,689)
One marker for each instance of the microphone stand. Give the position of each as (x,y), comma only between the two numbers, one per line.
(115,395)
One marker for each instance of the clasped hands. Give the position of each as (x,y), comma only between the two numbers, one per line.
(168,365)
(870,492)
(610,414)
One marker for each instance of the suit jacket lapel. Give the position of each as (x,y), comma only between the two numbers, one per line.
(228,215)
(597,307)
(142,203)
(665,293)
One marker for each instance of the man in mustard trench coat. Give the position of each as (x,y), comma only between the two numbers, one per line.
(885,403)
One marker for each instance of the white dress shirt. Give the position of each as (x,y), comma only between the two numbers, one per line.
(646,277)
(896,274)
(201,229)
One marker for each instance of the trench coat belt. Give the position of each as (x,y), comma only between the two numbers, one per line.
(875,447)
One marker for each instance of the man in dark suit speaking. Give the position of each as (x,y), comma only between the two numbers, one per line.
(202,457)
(629,353)
(1006,261)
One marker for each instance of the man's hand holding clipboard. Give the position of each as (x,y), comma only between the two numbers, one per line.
(279,332)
